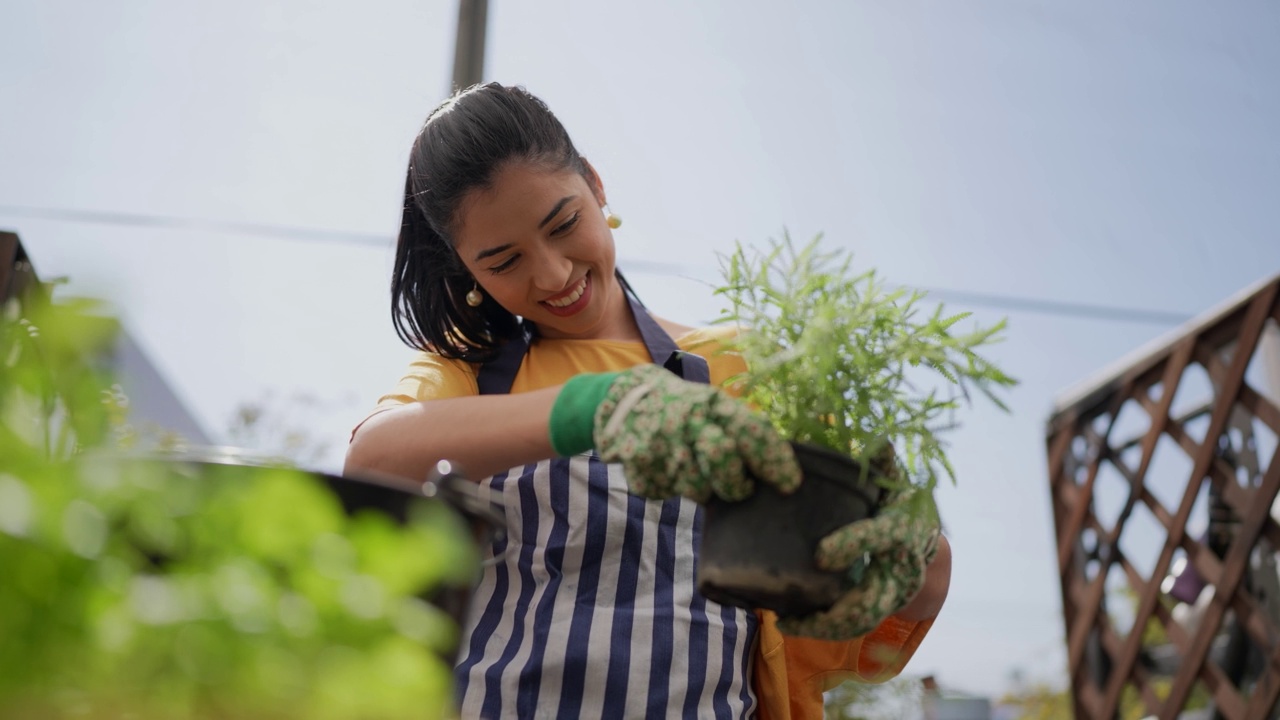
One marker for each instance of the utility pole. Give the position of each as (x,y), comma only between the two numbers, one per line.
(468,53)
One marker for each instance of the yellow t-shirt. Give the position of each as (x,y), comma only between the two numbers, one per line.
(790,673)
(551,362)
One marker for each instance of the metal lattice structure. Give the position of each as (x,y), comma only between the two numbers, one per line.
(1163,474)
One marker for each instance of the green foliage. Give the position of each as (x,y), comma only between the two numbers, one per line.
(839,361)
(1040,702)
(157,588)
(898,698)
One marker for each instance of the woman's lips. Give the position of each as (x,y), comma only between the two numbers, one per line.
(573,301)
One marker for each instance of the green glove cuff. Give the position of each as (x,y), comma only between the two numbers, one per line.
(573,416)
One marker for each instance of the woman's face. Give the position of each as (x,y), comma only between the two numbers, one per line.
(537,242)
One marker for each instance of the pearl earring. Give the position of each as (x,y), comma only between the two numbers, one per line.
(611,219)
(474,296)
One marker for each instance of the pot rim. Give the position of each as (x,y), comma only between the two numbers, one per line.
(851,483)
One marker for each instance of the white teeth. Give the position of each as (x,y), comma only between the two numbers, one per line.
(572,297)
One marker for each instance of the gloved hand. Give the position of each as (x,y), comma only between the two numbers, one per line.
(673,437)
(898,544)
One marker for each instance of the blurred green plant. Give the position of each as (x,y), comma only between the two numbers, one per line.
(900,697)
(276,425)
(152,587)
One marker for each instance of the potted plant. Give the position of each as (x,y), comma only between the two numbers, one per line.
(864,383)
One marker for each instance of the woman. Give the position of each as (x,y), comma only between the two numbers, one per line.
(541,375)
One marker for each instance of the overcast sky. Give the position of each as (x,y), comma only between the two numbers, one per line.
(1121,155)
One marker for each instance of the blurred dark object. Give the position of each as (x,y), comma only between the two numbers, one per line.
(388,495)
(17,275)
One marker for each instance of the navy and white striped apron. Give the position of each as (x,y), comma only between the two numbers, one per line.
(593,612)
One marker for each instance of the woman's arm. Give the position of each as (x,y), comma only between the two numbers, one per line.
(481,435)
(937,581)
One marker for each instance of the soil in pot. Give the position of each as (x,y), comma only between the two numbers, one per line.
(758,553)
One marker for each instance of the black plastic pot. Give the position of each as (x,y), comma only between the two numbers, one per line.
(388,495)
(758,553)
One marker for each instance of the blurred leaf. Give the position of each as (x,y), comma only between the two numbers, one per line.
(161,588)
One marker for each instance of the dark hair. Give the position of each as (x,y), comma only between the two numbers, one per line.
(463,143)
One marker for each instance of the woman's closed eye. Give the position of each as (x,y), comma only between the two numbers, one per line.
(505,265)
(566,226)
(562,229)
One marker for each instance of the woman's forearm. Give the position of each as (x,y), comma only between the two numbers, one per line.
(937,580)
(480,435)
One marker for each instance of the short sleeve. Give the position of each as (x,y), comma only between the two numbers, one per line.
(712,343)
(429,377)
(432,377)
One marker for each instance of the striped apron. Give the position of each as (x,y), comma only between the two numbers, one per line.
(592,610)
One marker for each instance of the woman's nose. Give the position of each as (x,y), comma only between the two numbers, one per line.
(553,273)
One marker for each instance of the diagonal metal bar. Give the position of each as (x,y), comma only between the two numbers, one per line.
(1087,617)
(1225,695)
(1157,509)
(1071,530)
(1139,677)
(1172,628)
(1072,571)
(1203,560)
(1160,414)
(1149,405)
(1087,614)
(1220,687)
(1256,623)
(1136,581)
(1057,458)
(1267,692)
(1089,701)
(1261,407)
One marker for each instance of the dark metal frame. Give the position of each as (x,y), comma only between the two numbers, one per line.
(1103,661)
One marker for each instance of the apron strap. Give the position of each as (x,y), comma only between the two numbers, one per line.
(664,351)
(497,375)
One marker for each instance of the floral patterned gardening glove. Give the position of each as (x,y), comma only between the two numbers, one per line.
(885,556)
(673,437)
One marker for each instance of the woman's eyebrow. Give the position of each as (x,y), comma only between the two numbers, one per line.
(555,210)
(490,252)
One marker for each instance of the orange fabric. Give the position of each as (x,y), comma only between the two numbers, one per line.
(791,673)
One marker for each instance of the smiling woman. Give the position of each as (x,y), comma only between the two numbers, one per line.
(543,378)
(536,241)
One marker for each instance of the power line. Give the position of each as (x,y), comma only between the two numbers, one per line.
(1054,307)
(92,217)
(1003,302)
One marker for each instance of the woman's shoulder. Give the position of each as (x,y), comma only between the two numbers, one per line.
(432,375)
(432,358)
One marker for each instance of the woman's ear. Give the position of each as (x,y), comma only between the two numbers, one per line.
(593,180)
